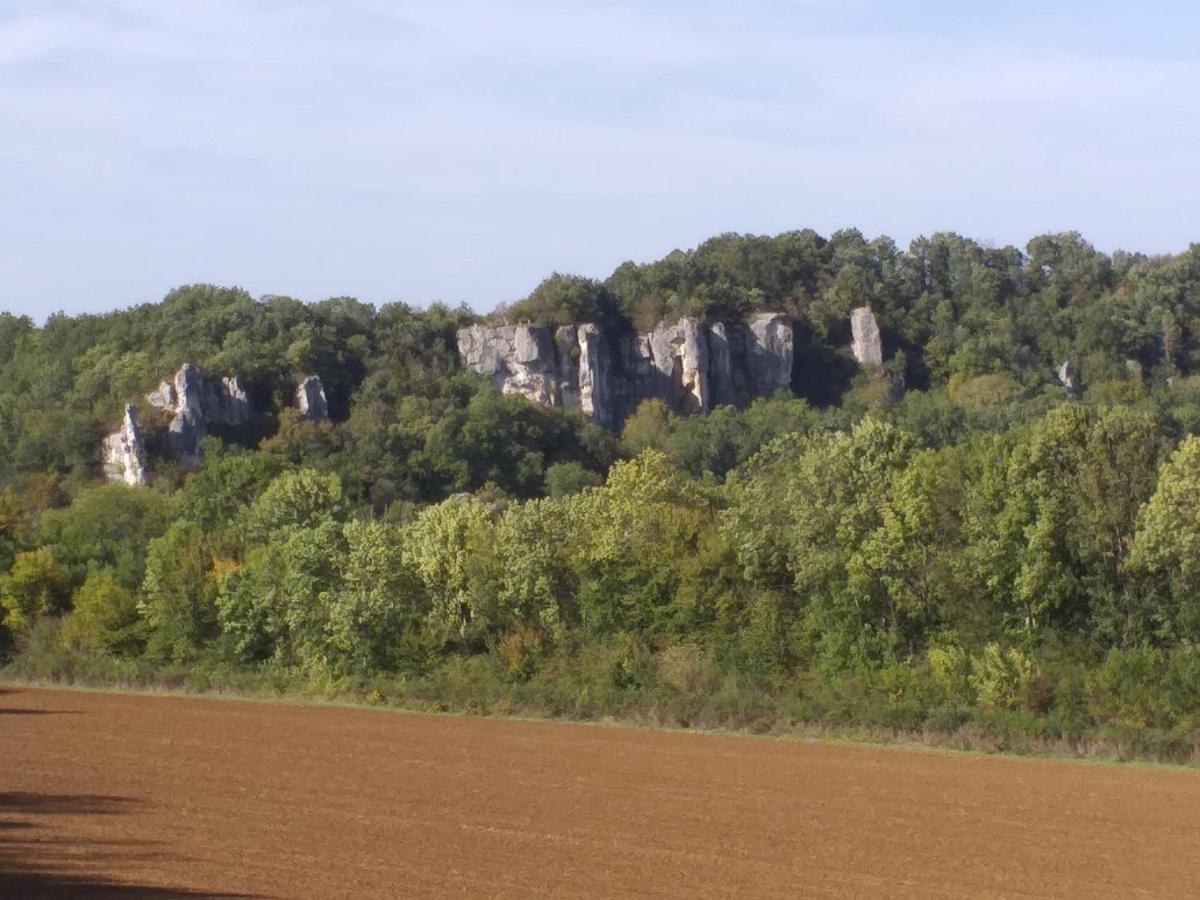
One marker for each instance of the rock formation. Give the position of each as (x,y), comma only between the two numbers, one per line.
(769,351)
(310,399)
(197,404)
(1071,378)
(122,454)
(867,345)
(688,365)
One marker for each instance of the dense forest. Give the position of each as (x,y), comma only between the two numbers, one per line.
(980,554)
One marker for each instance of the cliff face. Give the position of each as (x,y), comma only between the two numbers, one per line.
(868,344)
(310,399)
(690,366)
(122,454)
(197,403)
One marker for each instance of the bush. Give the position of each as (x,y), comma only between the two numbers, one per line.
(104,617)
(1000,677)
(688,669)
(1126,689)
(523,651)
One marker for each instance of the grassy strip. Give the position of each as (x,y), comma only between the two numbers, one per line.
(476,686)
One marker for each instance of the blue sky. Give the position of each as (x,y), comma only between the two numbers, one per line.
(461,151)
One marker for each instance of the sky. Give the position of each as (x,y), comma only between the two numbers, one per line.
(462,151)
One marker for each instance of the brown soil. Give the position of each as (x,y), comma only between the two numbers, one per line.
(164,796)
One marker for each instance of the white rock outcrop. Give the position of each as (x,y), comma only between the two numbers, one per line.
(687,364)
(770,347)
(1071,378)
(196,404)
(122,453)
(678,365)
(310,399)
(867,345)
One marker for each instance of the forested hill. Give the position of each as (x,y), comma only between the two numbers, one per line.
(982,329)
(980,550)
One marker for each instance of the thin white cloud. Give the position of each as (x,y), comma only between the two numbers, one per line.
(640,126)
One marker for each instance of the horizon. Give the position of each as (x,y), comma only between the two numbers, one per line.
(462,152)
(903,247)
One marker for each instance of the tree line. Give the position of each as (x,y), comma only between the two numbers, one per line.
(983,552)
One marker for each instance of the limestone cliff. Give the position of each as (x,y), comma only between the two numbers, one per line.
(310,399)
(122,453)
(868,344)
(690,366)
(197,404)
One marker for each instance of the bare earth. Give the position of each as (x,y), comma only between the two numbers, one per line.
(131,796)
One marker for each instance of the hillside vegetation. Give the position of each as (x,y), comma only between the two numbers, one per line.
(984,557)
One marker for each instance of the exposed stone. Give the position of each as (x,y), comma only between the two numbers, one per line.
(1135,369)
(867,345)
(163,396)
(519,359)
(770,346)
(1072,379)
(122,454)
(595,377)
(310,399)
(689,366)
(190,425)
(235,407)
(566,350)
(721,384)
(678,356)
(197,404)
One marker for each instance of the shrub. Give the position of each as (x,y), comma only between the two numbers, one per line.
(1126,689)
(999,677)
(104,617)
(523,651)
(688,669)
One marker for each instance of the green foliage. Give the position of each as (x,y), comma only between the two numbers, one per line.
(178,592)
(978,553)
(33,587)
(1166,547)
(444,546)
(106,526)
(104,616)
(297,499)
(567,478)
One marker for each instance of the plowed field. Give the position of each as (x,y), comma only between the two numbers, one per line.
(160,796)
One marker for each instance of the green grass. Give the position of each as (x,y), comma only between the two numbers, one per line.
(251,689)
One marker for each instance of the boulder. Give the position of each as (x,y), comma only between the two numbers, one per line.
(722,386)
(595,377)
(678,370)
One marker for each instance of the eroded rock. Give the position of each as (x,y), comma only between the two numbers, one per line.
(1071,377)
(519,359)
(688,365)
(867,345)
(122,453)
(310,399)
(770,346)
(197,404)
